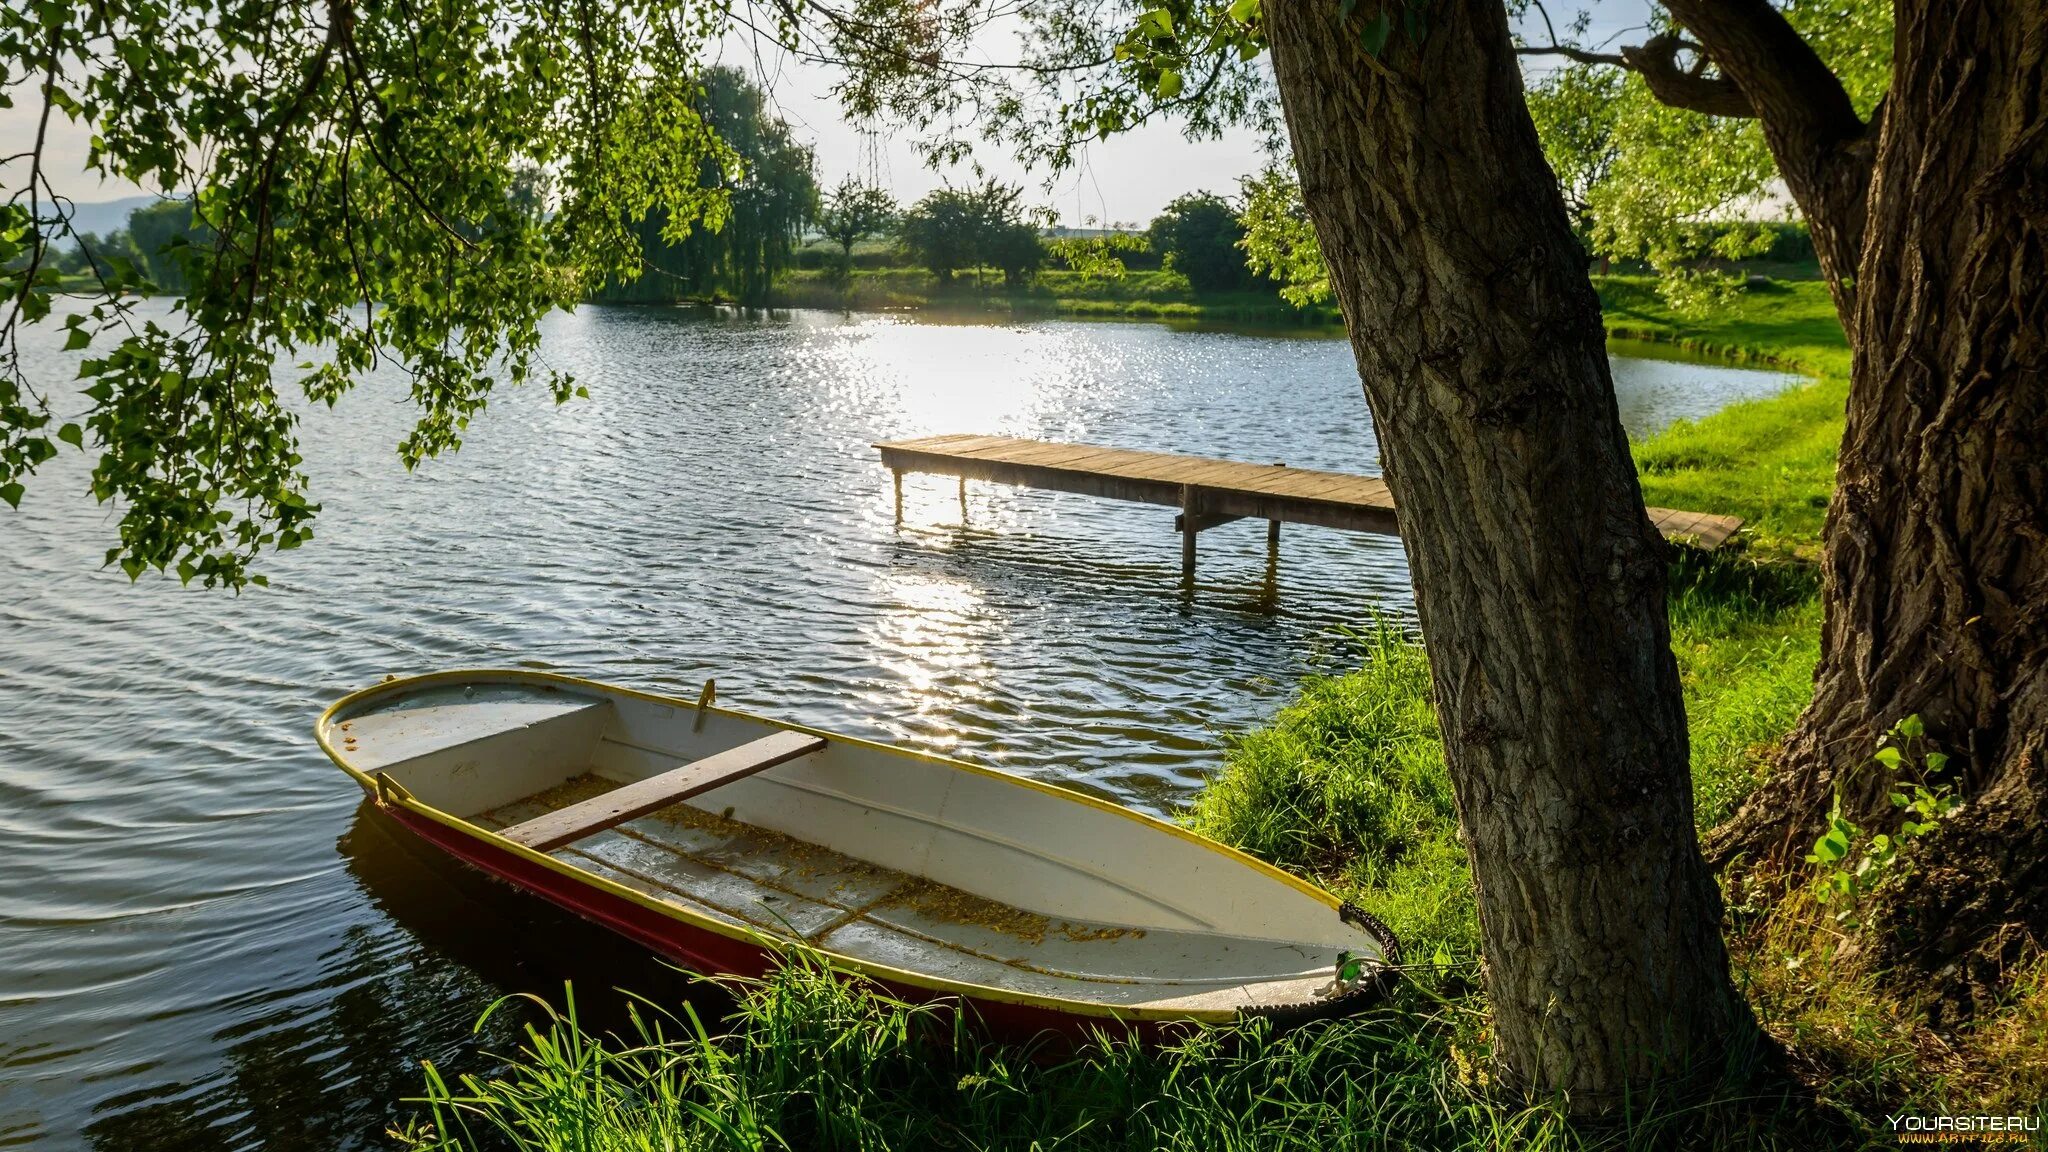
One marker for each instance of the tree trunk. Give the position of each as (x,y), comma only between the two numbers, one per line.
(1539,580)
(1936,559)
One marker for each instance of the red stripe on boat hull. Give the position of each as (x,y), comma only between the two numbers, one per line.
(705,951)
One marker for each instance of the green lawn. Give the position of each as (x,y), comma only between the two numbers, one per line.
(1791,323)
(1134,295)
(1770,461)
(1347,784)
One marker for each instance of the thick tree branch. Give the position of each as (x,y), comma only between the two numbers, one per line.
(1656,60)
(1572,52)
(1763,69)
(1787,83)
(1823,148)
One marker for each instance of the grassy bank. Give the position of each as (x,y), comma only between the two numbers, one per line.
(1348,785)
(1137,295)
(1787,323)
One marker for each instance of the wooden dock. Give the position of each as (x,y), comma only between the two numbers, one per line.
(1208,492)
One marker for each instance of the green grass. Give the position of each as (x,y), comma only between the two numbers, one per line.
(1770,461)
(811,1060)
(1135,295)
(1790,323)
(1347,784)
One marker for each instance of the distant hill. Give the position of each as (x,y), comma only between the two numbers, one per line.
(104,216)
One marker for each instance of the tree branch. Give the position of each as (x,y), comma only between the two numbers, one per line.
(1573,52)
(1656,60)
(1763,69)
(1824,150)
(1787,83)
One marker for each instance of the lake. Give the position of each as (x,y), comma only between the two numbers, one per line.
(206,941)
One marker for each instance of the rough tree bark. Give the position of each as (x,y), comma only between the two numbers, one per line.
(1936,549)
(1539,581)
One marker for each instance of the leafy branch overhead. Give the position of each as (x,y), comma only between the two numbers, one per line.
(362,185)
(1659,153)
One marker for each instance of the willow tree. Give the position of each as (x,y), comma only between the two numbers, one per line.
(360,180)
(771,194)
(1930,243)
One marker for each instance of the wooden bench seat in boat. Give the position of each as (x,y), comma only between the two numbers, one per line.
(1041,907)
(589,817)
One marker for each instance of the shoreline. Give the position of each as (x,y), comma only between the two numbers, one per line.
(1629,311)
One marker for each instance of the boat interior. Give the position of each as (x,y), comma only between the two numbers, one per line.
(876,855)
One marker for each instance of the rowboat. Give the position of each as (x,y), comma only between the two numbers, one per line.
(718,838)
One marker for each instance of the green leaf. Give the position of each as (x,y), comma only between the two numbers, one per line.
(1889,757)
(1415,23)
(1911,726)
(1834,843)
(73,435)
(1373,37)
(1245,11)
(78,338)
(1350,967)
(1169,84)
(12,494)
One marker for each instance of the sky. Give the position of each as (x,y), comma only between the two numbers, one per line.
(1125,180)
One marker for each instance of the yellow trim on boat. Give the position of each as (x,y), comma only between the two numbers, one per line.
(389,793)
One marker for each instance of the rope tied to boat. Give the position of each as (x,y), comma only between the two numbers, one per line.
(1359,980)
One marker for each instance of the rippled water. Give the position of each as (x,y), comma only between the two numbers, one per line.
(207,942)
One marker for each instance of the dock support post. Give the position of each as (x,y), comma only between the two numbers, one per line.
(1272,535)
(898,474)
(1190,524)
(963,501)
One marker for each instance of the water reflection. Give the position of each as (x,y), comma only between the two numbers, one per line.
(329,1066)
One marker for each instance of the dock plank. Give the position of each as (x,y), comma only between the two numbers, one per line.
(1229,488)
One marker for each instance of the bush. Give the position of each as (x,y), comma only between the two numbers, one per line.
(1198,235)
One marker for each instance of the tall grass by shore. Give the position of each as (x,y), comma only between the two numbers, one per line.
(813,1060)
(1347,785)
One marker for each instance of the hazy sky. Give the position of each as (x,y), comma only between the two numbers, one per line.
(1125,180)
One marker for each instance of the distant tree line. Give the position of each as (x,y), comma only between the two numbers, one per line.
(149,246)
(777,219)
(956,232)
